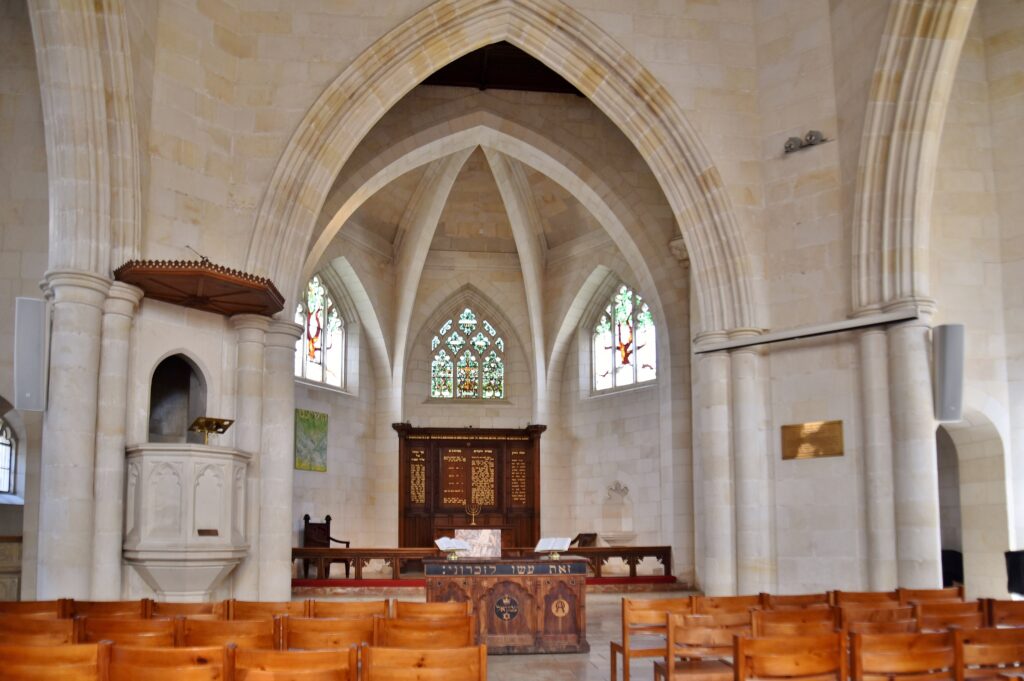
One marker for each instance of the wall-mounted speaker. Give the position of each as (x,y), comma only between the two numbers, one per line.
(948,363)
(31,341)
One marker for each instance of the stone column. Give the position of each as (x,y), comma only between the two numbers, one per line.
(916,477)
(755,564)
(251,332)
(277,461)
(714,447)
(69,435)
(878,468)
(108,487)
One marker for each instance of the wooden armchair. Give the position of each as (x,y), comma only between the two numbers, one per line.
(318,535)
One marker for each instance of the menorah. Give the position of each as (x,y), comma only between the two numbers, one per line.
(473,510)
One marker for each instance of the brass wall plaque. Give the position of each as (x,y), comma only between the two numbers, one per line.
(812,440)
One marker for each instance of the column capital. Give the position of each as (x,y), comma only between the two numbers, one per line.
(710,337)
(77,286)
(282,334)
(923,305)
(251,328)
(123,299)
(745,332)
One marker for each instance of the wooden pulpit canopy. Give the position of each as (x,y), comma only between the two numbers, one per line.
(202,285)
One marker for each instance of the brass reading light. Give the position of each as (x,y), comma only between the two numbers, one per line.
(209,424)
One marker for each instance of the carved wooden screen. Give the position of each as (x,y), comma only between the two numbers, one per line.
(444,473)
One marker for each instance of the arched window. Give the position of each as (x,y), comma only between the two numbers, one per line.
(6,458)
(468,359)
(624,348)
(319,353)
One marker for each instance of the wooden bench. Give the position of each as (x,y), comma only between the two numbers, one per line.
(443,664)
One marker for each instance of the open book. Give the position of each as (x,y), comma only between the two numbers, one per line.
(552,545)
(447,544)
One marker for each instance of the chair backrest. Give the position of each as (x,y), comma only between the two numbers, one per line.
(443,664)
(413,610)
(349,608)
(792,658)
(803,622)
(904,626)
(34,608)
(875,598)
(690,638)
(123,631)
(738,620)
(319,633)
(709,604)
(942,615)
(868,613)
(37,631)
(647,616)
(214,610)
(885,657)
(953,593)
(128,609)
(255,610)
(1005,613)
(990,649)
(84,662)
(294,665)
(129,663)
(426,634)
(796,601)
(261,633)
(315,535)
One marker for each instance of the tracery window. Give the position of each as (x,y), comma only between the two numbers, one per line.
(624,345)
(7,455)
(320,352)
(468,359)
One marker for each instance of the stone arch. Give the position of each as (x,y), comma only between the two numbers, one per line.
(359,301)
(571,45)
(984,503)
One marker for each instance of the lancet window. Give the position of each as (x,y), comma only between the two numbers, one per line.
(7,458)
(467,359)
(320,352)
(624,344)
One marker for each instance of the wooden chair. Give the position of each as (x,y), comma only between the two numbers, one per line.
(891,657)
(907,626)
(806,622)
(738,620)
(257,610)
(127,609)
(694,651)
(450,632)
(214,610)
(869,613)
(943,615)
(644,619)
(989,653)
(122,631)
(53,609)
(413,610)
(349,608)
(953,593)
(709,604)
(128,663)
(795,658)
(879,599)
(451,664)
(321,633)
(318,535)
(294,665)
(37,631)
(84,662)
(796,601)
(1004,614)
(262,633)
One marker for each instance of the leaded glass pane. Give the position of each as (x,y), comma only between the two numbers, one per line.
(500,344)
(441,375)
(603,355)
(467,321)
(6,459)
(300,318)
(493,383)
(445,328)
(624,345)
(333,348)
(456,342)
(468,382)
(315,302)
(434,342)
(646,343)
(480,342)
(489,329)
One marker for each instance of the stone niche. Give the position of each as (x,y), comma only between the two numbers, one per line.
(184,501)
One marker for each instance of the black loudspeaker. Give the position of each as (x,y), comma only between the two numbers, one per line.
(952,568)
(31,341)
(948,381)
(1015,572)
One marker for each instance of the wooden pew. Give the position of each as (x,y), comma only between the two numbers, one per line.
(451,664)
(37,631)
(1005,613)
(290,665)
(83,662)
(450,632)
(817,658)
(128,663)
(256,610)
(414,610)
(805,622)
(262,633)
(695,651)
(54,609)
(878,599)
(890,657)
(348,608)
(796,601)
(319,633)
(943,615)
(123,631)
(989,653)
(953,593)
(644,618)
(127,609)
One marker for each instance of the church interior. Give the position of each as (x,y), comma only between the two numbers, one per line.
(722,290)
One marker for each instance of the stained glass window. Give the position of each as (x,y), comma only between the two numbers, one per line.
(470,362)
(6,459)
(320,352)
(624,344)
